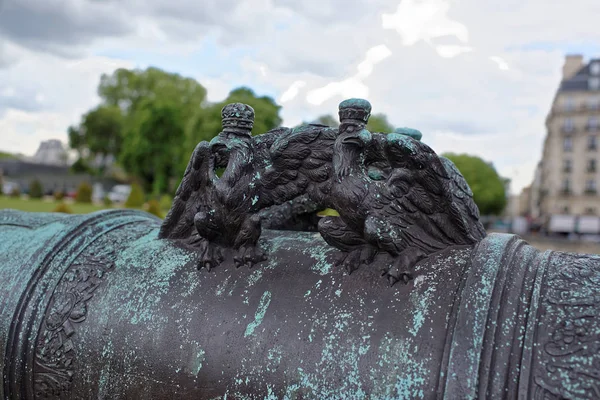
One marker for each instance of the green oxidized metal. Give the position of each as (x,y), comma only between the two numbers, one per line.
(96,306)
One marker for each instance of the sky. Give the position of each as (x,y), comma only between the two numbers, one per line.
(475,76)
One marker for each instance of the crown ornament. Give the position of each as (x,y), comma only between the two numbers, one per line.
(413,133)
(237,116)
(354,110)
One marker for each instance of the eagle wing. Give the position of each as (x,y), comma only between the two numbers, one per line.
(299,165)
(194,193)
(417,197)
(463,195)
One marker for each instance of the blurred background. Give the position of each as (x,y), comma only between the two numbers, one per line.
(103,101)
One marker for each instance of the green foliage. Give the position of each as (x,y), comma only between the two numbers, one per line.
(15,192)
(151,121)
(127,88)
(7,156)
(149,109)
(35,189)
(153,146)
(206,123)
(153,207)
(379,123)
(165,202)
(80,166)
(489,191)
(99,133)
(136,197)
(63,208)
(84,193)
(106,201)
(328,120)
(58,195)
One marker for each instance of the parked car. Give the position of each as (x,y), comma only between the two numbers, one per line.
(119,193)
(71,193)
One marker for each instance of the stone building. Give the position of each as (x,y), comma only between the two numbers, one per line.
(51,152)
(569,173)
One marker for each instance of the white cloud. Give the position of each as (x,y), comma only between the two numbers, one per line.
(353,86)
(292,91)
(418,20)
(437,65)
(374,56)
(451,51)
(503,65)
(51,95)
(22,131)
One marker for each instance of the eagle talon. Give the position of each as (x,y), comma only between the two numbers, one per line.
(249,256)
(352,260)
(211,256)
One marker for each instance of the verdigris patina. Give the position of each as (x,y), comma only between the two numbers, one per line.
(109,305)
(394,195)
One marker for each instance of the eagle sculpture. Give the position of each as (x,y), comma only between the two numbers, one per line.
(217,214)
(393,193)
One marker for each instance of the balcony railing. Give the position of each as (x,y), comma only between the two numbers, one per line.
(567,129)
(590,191)
(592,147)
(566,191)
(576,109)
(592,128)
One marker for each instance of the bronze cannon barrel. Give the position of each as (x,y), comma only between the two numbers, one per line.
(96,306)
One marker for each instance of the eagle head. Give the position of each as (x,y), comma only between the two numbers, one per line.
(349,149)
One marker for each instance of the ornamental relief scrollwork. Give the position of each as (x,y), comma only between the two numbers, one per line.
(55,355)
(569,330)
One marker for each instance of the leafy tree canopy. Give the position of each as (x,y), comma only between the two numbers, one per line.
(489,188)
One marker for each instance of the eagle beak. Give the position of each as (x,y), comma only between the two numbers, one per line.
(353,140)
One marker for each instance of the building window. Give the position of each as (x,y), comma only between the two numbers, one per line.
(569,104)
(566,209)
(592,142)
(593,123)
(590,211)
(568,144)
(568,125)
(590,186)
(567,165)
(593,103)
(566,186)
(594,83)
(595,68)
(591,167)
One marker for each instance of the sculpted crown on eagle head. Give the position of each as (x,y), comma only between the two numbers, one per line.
(394,195)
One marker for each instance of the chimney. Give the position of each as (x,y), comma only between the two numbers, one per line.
(573,63)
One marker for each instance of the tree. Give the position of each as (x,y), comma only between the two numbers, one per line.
(327,120)
(136,197)
(487,186)
(153,207)
(379,123)
(35,189)
(129,97)
(153,146)
(126,89)
(84,193)
(206,123)
(63,208)
(100,133)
